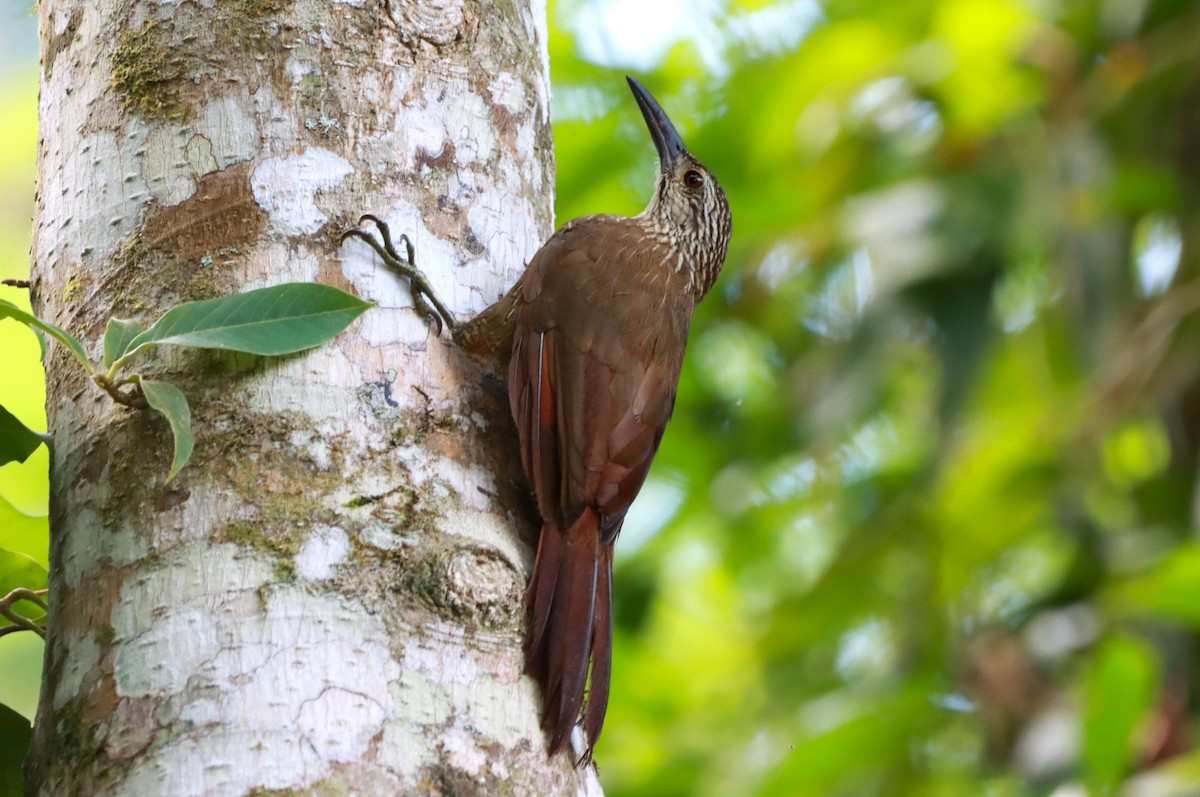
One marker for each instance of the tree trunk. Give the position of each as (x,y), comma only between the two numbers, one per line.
(327,598)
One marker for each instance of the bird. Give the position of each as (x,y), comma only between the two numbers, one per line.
(594,334)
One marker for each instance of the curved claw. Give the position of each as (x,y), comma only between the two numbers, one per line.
(352,232)
(358,232)
(409,249)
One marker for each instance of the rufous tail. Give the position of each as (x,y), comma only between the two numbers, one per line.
(570,595)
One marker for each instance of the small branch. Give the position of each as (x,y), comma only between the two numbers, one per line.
(16,283)
(20,622)
(12,629)
(133,397)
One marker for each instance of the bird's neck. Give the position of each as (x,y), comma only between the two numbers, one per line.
(689,255)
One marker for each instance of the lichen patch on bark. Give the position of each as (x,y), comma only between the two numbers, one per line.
(146,75)
(62,37)
(309,673)
(84,655)
(286,188)
(323,551)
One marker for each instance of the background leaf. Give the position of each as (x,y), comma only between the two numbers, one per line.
(20,571)
(170,401)
(269,321)
(1120,692)
(15,733)
(17,441)
(1168,589)
(22,533)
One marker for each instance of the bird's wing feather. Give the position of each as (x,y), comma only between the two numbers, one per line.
(591,386)
(611,373)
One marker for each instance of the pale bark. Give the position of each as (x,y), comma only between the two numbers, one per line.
(327,599)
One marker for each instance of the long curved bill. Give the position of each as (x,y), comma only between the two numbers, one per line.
(666,138)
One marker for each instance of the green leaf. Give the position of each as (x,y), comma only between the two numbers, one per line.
(1120,690)
(117,337)
(10,310)
(269,321)
(17,441)
(1168,590)
(21,662)
(170,401)
(22,533)
(818,760)
(18,570)
(16,732)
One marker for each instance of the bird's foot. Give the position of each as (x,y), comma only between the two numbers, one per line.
(422,292)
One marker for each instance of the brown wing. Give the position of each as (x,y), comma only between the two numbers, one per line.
(597,349)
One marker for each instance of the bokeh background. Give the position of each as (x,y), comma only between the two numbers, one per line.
(23,487)
(925,522)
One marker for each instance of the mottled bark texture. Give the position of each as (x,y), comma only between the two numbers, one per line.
(327,599)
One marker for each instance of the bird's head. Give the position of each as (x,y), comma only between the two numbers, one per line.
(688,207)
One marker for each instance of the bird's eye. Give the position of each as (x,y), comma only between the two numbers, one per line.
(693,179)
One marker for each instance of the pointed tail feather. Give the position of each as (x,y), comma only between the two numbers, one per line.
(602,631)
(571,601)
(539,598)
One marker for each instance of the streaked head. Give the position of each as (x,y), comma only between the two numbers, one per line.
(688,205)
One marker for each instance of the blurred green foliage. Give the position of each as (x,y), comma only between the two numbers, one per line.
(24,487)
(925,521)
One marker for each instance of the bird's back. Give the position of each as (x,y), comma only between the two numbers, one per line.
(618,311)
